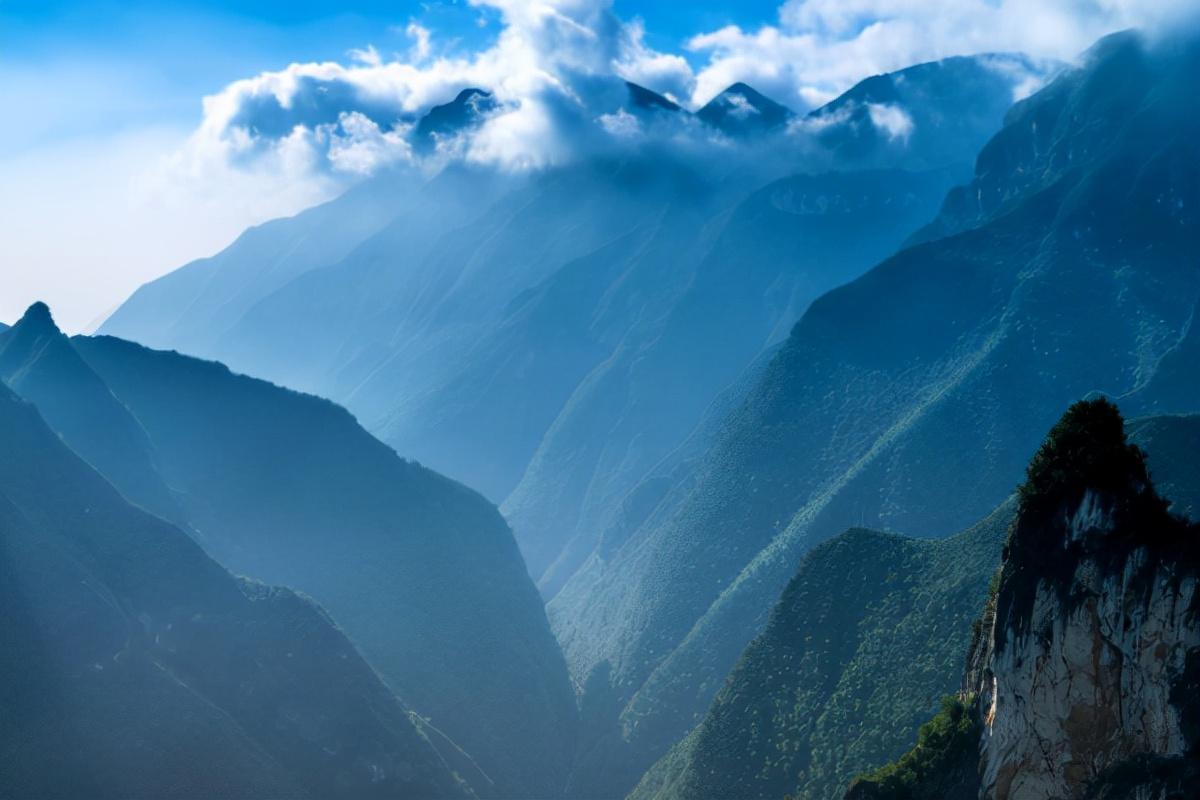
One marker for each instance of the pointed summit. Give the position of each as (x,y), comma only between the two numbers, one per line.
(41,365)
(464,112)
(741,109)
(644,98)
(38,317)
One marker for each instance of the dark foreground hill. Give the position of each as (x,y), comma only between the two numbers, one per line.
(422,573)
(134,666)
(865,641)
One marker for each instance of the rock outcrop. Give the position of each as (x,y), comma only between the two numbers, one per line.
(1083,679)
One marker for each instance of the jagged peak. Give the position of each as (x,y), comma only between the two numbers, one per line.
(740,88)
(1087,495)
(741,108)
(38,318)
(470,92)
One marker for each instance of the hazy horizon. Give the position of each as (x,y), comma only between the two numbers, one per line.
(133,156)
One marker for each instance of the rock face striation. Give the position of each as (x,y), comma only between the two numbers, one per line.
(1083,679)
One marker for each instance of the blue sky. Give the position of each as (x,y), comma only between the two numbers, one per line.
(167,55)
(115,168)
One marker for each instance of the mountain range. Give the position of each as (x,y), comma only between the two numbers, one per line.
(753,408)
(816,700)
(537,336)
(910,399)
(135,666)
(421,573)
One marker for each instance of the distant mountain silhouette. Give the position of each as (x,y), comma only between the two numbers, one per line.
(927,114)
(539,336)
(741,109)
(468,110)
(644,98)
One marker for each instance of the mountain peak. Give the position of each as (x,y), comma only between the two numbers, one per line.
(467,110)
(38,317)
(740,88)
(742,108)
(641,97)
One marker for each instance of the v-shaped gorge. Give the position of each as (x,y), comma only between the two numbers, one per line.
(135,666)
(549,338)
(911,399)
(421,573)
(667,451)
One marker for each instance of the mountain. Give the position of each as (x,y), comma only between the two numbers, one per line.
(134,666)
(537,336)
(660,359)
(39,363)
(816,698)
(466,111)
(1082,679)
(741,110)
(421,573)
(647,100)
(909,399)
(189,307)
(926,114)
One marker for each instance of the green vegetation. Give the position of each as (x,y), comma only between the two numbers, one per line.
(940,767)
(133,666)
(1087,449)
(1087,497)
(1089,490)
(866,639)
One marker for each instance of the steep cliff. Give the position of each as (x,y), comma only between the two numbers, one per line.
(1083,679)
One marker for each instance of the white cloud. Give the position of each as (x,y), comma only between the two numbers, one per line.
(548,67)
(421,42)
(280,141)
(820,48)
(367,56)
(556,66)
(891,119)
(359,146)
(620,123)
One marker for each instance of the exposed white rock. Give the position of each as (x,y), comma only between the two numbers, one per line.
(1087,683)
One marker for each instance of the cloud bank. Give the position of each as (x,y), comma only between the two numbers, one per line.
(274,143)
(556,67)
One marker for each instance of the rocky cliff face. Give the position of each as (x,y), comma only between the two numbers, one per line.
(1084,675)
(1095,633)
(1091,686)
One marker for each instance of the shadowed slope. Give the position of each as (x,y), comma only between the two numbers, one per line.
(422,573)
(134,666)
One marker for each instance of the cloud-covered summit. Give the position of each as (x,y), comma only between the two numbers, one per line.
(557,70)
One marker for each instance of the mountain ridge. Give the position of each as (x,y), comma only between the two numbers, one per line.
(160,659)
